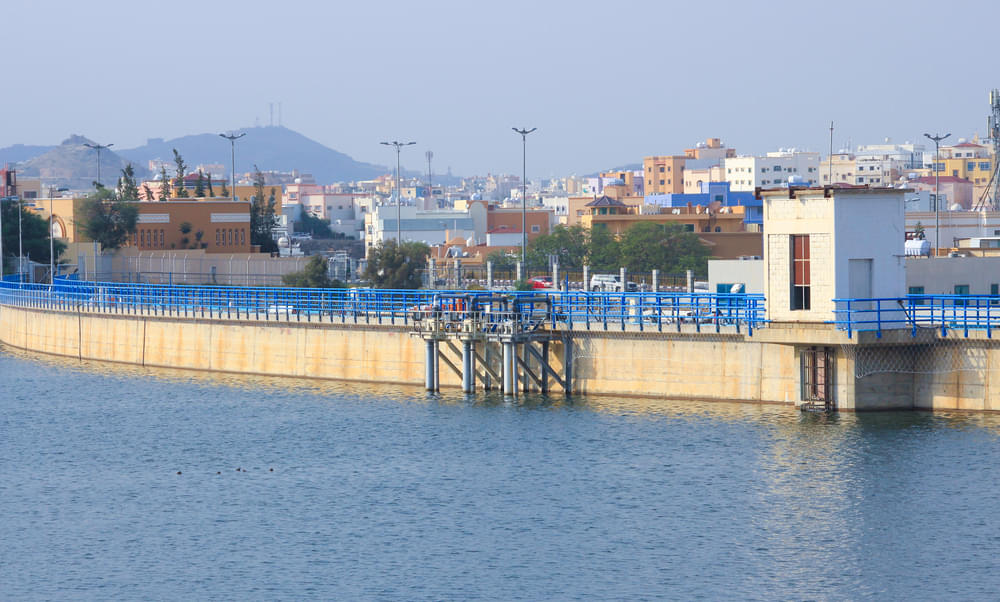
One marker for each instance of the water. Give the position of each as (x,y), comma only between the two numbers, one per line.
(390,493)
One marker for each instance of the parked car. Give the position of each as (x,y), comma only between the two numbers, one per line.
(540,282)
(610,283)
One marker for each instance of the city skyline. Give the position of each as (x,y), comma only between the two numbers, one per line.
(603,90)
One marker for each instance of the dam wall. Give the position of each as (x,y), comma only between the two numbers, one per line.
(711,366)
(954,373)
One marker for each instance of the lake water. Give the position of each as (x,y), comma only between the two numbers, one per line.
(291,489)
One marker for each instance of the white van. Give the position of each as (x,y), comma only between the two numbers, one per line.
(610,283)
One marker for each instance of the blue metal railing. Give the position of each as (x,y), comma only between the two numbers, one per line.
(913,312)
(641,311)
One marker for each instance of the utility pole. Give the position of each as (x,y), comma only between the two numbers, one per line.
(430,184)
(937,190)
(398,146)
(98,148)
(232,142)
(524,197)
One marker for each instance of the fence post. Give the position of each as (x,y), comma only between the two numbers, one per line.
(586,278)
(656,281)
(555,276)
(690,281)
(622,276)
(489,275)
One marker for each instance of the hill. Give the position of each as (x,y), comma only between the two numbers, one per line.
(22,152)
(272,148)
(73,165)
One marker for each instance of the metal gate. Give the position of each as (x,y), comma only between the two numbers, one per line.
(817,376)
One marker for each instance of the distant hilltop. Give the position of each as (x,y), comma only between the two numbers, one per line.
(271,148)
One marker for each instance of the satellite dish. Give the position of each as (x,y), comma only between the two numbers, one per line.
(736,288)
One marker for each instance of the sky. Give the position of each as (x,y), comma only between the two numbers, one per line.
(605,83)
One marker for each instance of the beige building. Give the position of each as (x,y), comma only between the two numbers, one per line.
(663,174)
(833,243)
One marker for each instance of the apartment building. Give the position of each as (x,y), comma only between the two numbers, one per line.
(772,170)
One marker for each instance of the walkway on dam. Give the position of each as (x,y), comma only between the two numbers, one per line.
(490,310)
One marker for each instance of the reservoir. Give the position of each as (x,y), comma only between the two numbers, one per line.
(122,482)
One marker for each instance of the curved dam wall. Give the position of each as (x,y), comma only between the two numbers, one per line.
(713,367)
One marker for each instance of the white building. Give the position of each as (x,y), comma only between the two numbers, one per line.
(838,243)
(773,170)
(431,227)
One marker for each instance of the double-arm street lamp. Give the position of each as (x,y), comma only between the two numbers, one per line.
(98,148)
(937,191)
(232,138)
(398,146)
(524,197)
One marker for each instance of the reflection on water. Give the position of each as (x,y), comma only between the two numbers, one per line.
(122,482)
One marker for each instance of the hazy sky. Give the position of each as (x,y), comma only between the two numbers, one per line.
(605,83)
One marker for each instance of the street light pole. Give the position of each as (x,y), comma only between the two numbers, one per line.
(398,146)
(937,190)
(52,244)
(232,142)
(98,148)
(524,197)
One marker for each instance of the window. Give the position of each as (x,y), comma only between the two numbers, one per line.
(800,272)
(961,290)
(662,182)
(970,166)
(954,173)
(777,168)
(661,169)
(536,229)
(689,227)
(919,291)
(216,237)
(243,237)
(984,166)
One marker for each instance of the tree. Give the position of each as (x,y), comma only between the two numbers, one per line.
(603,253)
(34,236)
(199,188)
(569,245)
(395,266)
(319,228)
(502,260)
(225,190)
(314,275)
(185,228)
(179,190)
(262,215)
(648,246)
(918,231)
(147,193)
(107,220)
(211,193)
(164,184)
(128,189)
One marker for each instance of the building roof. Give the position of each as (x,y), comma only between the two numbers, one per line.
(605,201)
(941,180)
(967,144)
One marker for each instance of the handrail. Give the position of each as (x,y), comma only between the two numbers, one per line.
(553,309)
(915,312)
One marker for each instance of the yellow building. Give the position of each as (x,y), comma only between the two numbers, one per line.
(215,225)
(617,217)
(664,174)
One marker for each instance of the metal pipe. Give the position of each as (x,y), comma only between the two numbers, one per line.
(468,374)
(430,357)
(524,189)
(508,369)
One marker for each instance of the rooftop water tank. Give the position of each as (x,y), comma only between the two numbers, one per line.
(918,247)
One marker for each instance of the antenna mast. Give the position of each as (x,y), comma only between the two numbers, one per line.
(831,154)
(988,200)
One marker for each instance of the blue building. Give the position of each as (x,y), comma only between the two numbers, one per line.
(716,192)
